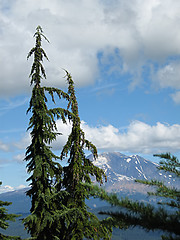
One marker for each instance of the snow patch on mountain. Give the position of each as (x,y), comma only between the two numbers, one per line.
(128,160)
(100,161)
(123,177)
(120,168)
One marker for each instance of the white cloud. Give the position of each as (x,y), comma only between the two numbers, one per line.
(176,97)
(158,26)
(24,142)
(9,105)
(139,137)
(19,157)
(78,30)
(20,187)
(4,146)
(6,188)
(65,130)
(169,76)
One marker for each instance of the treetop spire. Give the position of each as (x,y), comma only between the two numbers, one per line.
(37,70)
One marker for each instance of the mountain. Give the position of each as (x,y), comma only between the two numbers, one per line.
(121,171)
(21,203)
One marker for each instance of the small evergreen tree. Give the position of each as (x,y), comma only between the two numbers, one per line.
(4,217)
(145,215)
(82,223)
(45,172)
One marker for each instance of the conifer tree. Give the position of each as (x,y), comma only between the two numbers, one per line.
(58,208)
(45,171)
(4,217)
(148,216)
(83,224)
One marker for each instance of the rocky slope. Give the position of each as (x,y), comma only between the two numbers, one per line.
(122,170)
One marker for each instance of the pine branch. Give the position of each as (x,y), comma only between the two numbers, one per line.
(60,93)
(170,164)
(162,190)
(137,213)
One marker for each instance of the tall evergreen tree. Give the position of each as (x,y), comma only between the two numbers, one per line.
(83,224)
(58,208)
(45,171)
(148,216)
(4,218)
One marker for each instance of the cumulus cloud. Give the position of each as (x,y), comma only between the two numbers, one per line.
(78,31)
(138,137)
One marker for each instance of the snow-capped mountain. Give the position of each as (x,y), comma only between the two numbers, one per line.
(122,170)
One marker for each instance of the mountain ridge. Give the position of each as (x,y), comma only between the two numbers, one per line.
(122,170)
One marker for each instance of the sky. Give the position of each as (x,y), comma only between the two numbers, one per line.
(124,57)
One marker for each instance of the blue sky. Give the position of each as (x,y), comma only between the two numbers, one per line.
(124,57)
